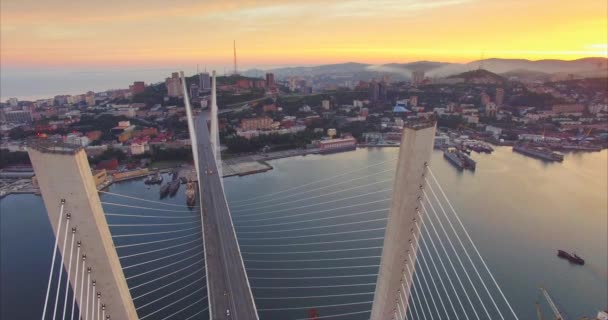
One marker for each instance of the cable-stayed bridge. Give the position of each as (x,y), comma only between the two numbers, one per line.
(365,243)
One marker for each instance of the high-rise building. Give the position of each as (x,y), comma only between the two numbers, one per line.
(204,81)
(270,80)
(500,96)
(417,77)
(194,91)
(17,116)
(174,86)
(13,102)
(485,99)
(378,91)
(137,87)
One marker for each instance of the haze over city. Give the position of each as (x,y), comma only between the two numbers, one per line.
(304,160)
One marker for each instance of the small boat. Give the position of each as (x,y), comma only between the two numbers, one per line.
(154,179)
(164,190)
(183,180)
(173,187)
(190,194)
(573,258)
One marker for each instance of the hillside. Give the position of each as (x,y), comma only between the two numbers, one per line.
(480,76)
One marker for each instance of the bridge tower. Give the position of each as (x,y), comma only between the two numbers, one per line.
(394,279)
(65,180)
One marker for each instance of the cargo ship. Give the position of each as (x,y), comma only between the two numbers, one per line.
(459,159)
(190,194)
(538,152)
(573,258)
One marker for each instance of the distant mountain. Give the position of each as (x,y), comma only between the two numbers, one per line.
(510,67)
(526,75)
(479,76)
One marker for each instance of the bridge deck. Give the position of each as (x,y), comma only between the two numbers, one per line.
(227,280)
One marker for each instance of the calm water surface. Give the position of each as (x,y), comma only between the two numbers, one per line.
(518,210)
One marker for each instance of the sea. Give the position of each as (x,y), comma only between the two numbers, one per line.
(314,223)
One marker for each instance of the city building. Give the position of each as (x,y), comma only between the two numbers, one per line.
(491,109)
(485,99)
(138,148)
(414,101)
(204,81)
(17,116)
(378,91)
(194,91)
(500,96)
(566,108)
(137,87)
(174,86)
(333,145)
(77,139)
(13,102)
(417,77)
(263,123)
(325,104)
(331,132)
(89,98)
(270,80)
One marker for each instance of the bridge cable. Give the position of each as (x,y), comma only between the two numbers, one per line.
(473,244)
(410,296)
(167,295)
(320,268)
(317,189)
(313,297)
(315,182)
(55,248)
(317,251)
(308,307)
(146,200)
(315,212)
(75,287)
(313,235)
(313,220)
(65,238)
(417,277)
(161,258)
(313,260)
(416,296)
(172,303)
(318,277)
(337,315)
(148,224)
(311,198)
(164,266)
(86,311)
(403,302)
(93,299)
(318,287)
(157,241)
(145,216)
(455,254)
(318,227)
(157,250)
(67,283)
(426,265)
(314,204)
(434,264)
(152,233)
(186,308)
(196,314)
(168,284)
(466,253)
(147,208)
(426,283)
(81,304)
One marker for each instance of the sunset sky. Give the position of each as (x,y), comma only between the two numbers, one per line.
(154,32)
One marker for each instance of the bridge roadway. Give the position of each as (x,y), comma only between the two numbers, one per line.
(227,281)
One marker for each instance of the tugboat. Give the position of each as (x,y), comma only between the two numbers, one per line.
(190,194)
(573,258)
